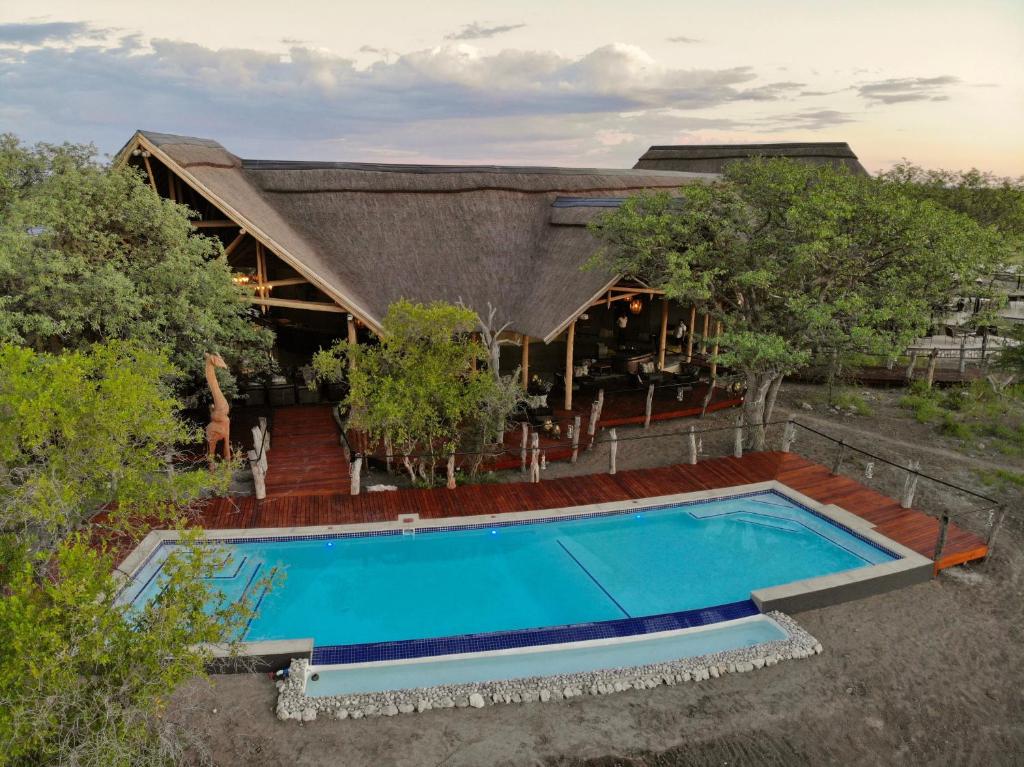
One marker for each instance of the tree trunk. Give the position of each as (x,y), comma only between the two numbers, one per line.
(773,394)
(754,408)
(409,468)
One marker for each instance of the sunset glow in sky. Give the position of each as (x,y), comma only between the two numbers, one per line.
(546,83)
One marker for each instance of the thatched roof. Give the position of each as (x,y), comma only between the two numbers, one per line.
(368,234)
(712,158)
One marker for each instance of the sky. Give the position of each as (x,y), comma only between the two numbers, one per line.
(936,82)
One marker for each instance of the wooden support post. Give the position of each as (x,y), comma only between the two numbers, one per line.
(963,354)
(689,334)
(534,456)
(266,433)
(451,471)
(526,362)
(352,338)
(663,334)
(933,359)
(909,375)
(570,337)
(595,416)
(234,243)
(910,485)
(737,441)
(714,351)
(522,449)
(837,464)
(788,436)
(940,543)
(170,186)
(258,475)
(357,466)
(648,405)
(613,449)
(693,447)
(575,438)
(997,522)
(704,336)
(149,170)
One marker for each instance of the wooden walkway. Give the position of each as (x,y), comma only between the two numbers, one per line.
(911,527)
(306,457)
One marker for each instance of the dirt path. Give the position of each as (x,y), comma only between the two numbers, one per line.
(869,437)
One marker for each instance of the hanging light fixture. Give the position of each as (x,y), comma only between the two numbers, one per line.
(636,305)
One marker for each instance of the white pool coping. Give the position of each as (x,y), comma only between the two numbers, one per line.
(790,596)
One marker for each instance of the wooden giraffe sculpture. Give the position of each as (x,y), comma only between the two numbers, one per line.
(219,427)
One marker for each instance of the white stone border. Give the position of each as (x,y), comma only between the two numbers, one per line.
(294,704)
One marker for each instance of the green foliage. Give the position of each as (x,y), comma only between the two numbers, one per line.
(852,400)
(988,199)
(83,430)
(798,256)
(1003,479)
(1011,359)
(420,388)
(84,679)
(90,253)
(974,414)
(793,257)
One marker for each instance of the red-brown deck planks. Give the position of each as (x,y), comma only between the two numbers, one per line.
(910,527)
(306,457)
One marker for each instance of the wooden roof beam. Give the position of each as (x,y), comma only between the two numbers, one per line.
(214,223)
(288,303)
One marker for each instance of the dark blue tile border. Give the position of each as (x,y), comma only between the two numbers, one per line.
(504,640)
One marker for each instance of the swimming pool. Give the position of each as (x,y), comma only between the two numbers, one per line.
(381,595)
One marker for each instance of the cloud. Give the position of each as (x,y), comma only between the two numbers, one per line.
(29,33)
(684,40)
(899,90)
(450,103)
(477,31)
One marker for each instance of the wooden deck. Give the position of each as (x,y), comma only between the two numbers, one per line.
(910,527)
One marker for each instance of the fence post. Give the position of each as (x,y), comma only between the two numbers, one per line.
(996,524)
(451,471)
(595,415)
(613,449)
(575,438)
(933,359)
(357,466)
(737,444)
(522,449)
(647,406)
(534,455)
(910,485)
(258,477)
(693,447)
(266,434)
(838,463)
(963,354)
(909,375)
(940,544)
(788,436)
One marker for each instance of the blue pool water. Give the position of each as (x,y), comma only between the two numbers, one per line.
(349,590)
(374,677)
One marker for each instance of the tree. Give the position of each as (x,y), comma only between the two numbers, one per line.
(89,430)
(84,677)
(792,258)
(989,199)
(91,253)
(420,387)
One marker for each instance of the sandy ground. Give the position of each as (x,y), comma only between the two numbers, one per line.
(929,675)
